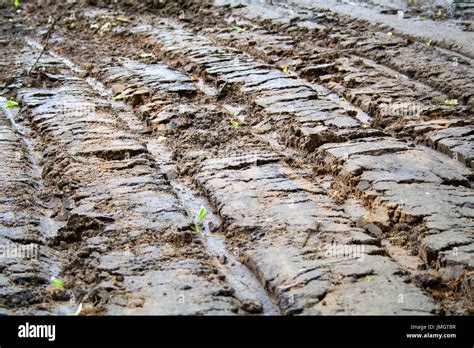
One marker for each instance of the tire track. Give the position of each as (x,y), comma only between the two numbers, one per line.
(402,107)
(254,210)
(229,178)
(126,236)
(26,262)
(429,234)
(442,69)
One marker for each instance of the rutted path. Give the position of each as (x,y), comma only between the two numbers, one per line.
(25,222)
(403,106)
(136,80)
(127,232)
(419,168)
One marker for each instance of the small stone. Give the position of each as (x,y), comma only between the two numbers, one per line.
(95,254)
(58,293)
(83,74)
(252,306)
(186,287)
(171,174)
(373,230)
(213,228)
(223,259)
(103,275)
(117,88)
(107,285)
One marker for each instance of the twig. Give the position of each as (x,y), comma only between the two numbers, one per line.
(48,34)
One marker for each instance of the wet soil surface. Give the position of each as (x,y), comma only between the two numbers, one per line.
(235,157)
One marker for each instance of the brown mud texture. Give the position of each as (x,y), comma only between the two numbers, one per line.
(236,158)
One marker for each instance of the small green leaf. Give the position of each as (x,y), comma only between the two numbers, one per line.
(451,102)
(421,18)
(57,282)
(234,123)
(234,113)
(120,96)
(195,228)
(390,33)
(201,213)
(16,3)
(366,216)
(237,28)
(11,103)
(429,42)
(370,278)
(284,68)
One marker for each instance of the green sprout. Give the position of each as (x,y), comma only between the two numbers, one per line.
(16,3)
(120,96)
(200,216)
(390,33)
(237,28)
(366,216)
(451,102)
(57,282)
(234,123)
(201,213)
(429,42)
(11,103)
(421,18)
(370,278)
(284,68)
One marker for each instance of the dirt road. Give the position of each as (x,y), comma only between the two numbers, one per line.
(235,157)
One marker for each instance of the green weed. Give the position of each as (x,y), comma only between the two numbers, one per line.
(120,96)
(11,103)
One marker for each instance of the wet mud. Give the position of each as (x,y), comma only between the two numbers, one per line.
(334,163)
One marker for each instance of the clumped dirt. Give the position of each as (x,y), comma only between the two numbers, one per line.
(332,155)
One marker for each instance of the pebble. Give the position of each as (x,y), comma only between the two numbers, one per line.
(223,259)
(252,306)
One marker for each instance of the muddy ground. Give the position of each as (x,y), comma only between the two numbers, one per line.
(330,145)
